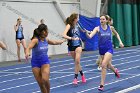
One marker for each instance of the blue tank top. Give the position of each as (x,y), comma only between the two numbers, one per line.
(74,32)
(19,32)
(105,37)
(40,50)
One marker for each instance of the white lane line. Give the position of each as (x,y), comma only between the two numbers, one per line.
(16,79)
(94,63)
(85,72)
(26,72)
(60,85)
(97,77)
(109,84)
(129,89)
(88,71)
(16,68)
(18,86)
(86,61)
(51,63)
(119,51)
(89,79)
(66,60)
(82,66)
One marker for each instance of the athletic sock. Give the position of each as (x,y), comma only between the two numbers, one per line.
(76,75)
(81,72)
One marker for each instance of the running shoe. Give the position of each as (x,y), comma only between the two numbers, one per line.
(75,81)
(117,73)
(83,79)
(99,68)
(101,88)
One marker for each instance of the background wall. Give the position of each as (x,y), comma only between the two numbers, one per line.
(90,8)
(31,11)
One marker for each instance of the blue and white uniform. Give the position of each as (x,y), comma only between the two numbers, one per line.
(19,33)
(74,32)
(105,40)
(40,54)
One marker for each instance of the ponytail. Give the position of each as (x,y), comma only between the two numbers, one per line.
(35,33)
(67,20)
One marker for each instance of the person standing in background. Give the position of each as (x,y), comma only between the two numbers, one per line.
(19,37)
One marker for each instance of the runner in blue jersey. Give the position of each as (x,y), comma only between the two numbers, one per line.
(40,61)
(99,60)
(19,37)
(72,34)
(105,47)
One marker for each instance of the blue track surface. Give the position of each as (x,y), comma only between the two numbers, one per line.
(19,78)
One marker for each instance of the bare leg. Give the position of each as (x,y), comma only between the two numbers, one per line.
(45,71)
(111,66)
(24,44)
(106,59)
(2,45)
(100,62)
(76,55)
(78,52)
(73,56)
(18,50)
(37,74)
